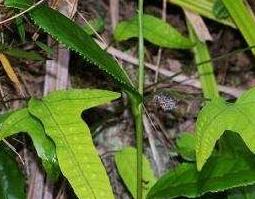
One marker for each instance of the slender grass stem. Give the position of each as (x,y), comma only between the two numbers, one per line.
(139,115)
(141,47)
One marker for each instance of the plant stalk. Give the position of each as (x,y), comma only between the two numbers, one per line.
(139,115)
(139,146)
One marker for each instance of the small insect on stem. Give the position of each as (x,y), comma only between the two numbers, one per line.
(165,102)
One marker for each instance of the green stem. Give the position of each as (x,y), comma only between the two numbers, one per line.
(139,115)
(205,71)
(139,146)
(141,47)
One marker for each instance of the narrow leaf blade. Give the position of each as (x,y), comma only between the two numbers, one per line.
(22,54)
(19,4)
(155,30)
(205,71)
(75,38)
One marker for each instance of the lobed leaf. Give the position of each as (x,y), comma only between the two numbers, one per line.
(22,121)
(155,31)
(22,54)
(223,171)
(60,113)
(219,116)
(127,168)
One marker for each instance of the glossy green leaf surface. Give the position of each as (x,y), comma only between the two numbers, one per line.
(244,19)
(219,116)
(126,165)
(205,71)
(155,31)
(12,182)
(186,146)
(75,38)
(223,171)
(60,113)
(22,121)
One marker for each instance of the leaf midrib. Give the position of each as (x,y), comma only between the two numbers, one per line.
(69,148)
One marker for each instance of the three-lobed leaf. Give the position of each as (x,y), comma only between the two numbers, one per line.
(225,170)
(218,116)
(126,165)
(22,54)
(60,113)
(155,31)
